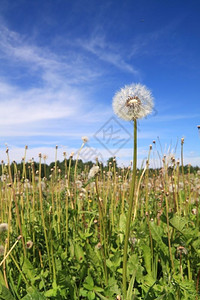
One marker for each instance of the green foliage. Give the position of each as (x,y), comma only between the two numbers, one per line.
(78,234)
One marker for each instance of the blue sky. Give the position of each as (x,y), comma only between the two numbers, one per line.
(61,62)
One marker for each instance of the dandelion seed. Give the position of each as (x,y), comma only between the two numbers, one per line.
(93,171)
(2,249)
(133,102)
(3,227)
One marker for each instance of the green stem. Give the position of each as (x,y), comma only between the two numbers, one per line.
(128,222)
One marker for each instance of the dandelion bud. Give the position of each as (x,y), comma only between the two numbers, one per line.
(56,146)
(182,141)
(150,147)
(85,139)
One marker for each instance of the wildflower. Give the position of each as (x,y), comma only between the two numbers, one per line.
(85,139)
(3,227)
(2,249)
(29,244)
(93,171)
(133,102)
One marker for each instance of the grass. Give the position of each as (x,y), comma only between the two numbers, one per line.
(65,237)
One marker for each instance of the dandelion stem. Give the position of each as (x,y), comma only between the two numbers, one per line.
(128,222)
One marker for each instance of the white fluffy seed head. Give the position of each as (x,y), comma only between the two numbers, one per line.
(93,171)
(3,227)
(134,101)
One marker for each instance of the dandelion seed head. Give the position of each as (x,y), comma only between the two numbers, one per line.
(133,102)
(3,227)
(93,171)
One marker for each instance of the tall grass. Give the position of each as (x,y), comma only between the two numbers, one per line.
(66,234)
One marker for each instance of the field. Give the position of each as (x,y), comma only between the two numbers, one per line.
(62,233)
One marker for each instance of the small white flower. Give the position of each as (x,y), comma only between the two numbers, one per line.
(93,171)
(3,227)
(85,139)
(133,102)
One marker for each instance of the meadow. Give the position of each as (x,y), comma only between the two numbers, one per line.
(63,227)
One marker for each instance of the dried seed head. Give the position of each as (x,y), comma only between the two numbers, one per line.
(85,139)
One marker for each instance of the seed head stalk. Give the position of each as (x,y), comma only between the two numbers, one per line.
(16,204)
(42,215)
(128,223)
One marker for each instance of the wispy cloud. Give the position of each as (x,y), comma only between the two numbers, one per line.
(107,52)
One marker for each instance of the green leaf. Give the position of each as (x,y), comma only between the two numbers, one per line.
(89,283)
(33,294)
(29,270)
(130,288)
(5,294)
(147,258)
(78,252)
(91,295)
(156,233)
(178,222)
